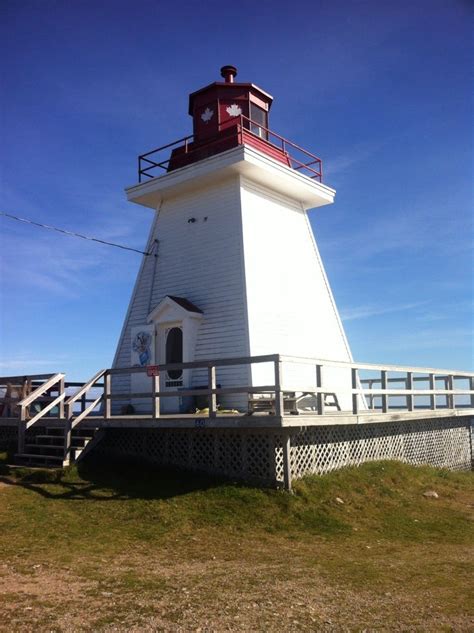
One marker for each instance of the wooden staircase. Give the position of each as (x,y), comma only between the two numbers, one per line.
(49,419)
(50,449)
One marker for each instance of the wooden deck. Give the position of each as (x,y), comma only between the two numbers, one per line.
(243,421)
(389,394)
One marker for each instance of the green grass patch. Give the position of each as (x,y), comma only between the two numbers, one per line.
(143,543)
(129,502)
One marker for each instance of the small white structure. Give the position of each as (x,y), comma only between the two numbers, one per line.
(236,270)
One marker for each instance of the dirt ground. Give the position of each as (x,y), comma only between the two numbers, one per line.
(75,562)
(236,586)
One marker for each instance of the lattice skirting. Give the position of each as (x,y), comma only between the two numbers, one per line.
(441,442)
(258,456)
(8,436)
(243,455)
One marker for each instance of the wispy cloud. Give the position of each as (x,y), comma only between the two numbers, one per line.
(30,362)
(352,156)
(25,364)
(367,311)
(432,338)
(35,259)
(415,229)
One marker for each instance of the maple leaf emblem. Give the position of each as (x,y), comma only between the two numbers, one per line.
(207,115)
(234,110)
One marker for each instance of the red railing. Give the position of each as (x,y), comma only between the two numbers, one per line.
(244,130)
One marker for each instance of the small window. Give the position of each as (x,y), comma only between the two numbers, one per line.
(174,351)
(259,118)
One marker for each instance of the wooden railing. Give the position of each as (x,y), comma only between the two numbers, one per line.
(360,395)
(243,129)
(211,390)
(15,388)
(72,418)
(356,389)
(388,389)
(56,383)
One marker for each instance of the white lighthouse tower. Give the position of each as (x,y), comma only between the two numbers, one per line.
(234,268)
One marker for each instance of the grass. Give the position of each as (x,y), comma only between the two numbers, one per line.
(162,550)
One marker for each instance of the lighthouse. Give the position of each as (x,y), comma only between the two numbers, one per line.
(233,268)
(232,358)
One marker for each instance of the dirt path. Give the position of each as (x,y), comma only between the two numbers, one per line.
(232,589)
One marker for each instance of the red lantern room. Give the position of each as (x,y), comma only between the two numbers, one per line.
(221,104)
(227,114)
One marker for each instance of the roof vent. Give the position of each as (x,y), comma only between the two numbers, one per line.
(228,72)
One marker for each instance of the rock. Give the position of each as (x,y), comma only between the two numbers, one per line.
(431,493)
(339,500)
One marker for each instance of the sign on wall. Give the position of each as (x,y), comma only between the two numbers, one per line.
(143,345)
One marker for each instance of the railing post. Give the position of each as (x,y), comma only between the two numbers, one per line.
(355,396)
(22,430)
(156,398)
(450,398)
(61,404)
(287,461)
(211,385)
(383,382)
(471,387)
(279,404)
(371,397)
(319,385)
(409,386)
(68,433)
(107,400)
(432,388)
(445,383)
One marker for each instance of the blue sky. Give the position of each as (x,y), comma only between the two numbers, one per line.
(379,90)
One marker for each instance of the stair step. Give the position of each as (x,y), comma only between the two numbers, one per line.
(46,449)
(39,456)
(50,437)
(57,448)
(76,439)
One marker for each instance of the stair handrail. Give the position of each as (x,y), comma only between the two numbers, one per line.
(74,421)
(39,391)
(25,423)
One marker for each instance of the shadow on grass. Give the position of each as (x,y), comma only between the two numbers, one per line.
(108,480)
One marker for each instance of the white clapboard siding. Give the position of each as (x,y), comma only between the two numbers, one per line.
(202,261)
(291,309)
(246,256)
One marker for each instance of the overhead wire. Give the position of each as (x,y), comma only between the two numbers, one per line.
(73,234)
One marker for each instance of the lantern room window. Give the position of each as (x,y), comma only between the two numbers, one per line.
(258,121)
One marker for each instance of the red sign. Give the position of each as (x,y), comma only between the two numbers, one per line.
(153,370)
